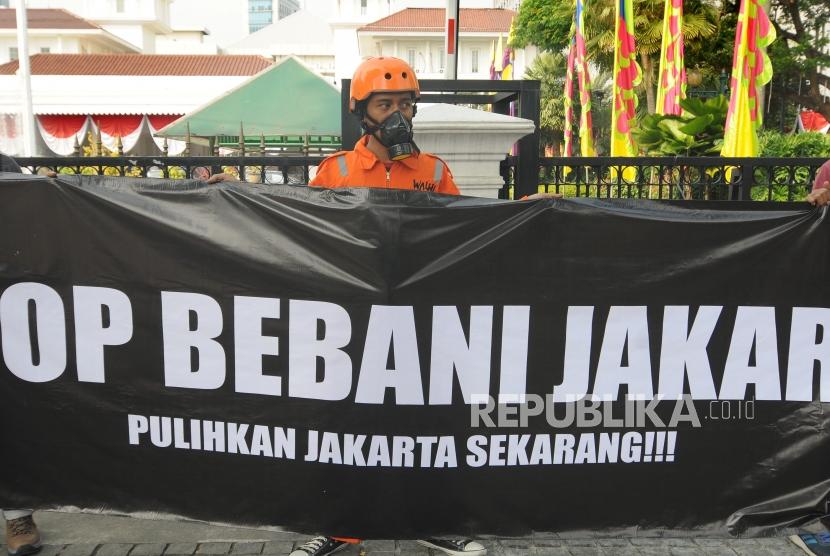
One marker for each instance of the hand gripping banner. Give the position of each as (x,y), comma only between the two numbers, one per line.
(395,364)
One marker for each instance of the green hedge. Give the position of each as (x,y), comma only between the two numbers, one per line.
(785,145)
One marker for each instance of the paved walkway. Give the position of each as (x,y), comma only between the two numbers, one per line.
(72,534)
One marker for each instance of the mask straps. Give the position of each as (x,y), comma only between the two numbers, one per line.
(369,129)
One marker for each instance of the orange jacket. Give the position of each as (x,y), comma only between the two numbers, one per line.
(361,168)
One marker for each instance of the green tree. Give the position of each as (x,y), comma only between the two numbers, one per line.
(802,49)
(545,23)
(549,68)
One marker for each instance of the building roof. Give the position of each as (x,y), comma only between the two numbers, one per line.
(300,33)
(433,20)
(45,19)
(266,104)
(141,64)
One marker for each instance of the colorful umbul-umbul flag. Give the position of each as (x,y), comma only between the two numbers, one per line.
(671,84)
(568,100)
(578,65)
(627,75)
(586,126)
(751,69)
(508,56)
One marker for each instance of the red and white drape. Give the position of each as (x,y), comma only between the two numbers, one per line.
(114,126)
(10,134)
(60,131)
(157,121)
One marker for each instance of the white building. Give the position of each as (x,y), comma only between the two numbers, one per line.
(300,34)
(135,21)
(153,26)
(417,36)
(57,32)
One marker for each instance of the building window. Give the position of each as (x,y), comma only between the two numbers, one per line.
(4,3)
(119,6)
(474,60)
(363,6)
(410,57)
(260,14)
(13,53)
(287,7)
(45,50)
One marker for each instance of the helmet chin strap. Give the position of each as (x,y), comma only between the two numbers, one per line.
(371,129)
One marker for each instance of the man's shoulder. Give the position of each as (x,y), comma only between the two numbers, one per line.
(433,159)
(336,162)
(333,157)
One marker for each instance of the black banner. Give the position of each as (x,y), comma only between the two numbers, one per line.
(391,364)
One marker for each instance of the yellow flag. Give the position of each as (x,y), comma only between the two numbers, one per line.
(751,69)
(498,59)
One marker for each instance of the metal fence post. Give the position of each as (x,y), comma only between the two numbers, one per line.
(747,180)
(349,125)
(527,170)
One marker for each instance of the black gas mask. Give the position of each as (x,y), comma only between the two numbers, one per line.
(395,134)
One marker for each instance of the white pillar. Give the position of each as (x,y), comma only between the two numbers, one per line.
(27,113)
(451,40)
(471,142)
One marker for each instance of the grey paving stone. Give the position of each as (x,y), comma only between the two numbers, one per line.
(681,542)
(687,551)
(653,550)
(411,548)
(278,547)
(570,543)
(114,549)
(648,541)
(180,549)
(789,549)
(541,543)
(214,548)
(516,543)
(718,551)
(751,550)
(781,545)
(517,551)
(148,549)
(613,542)
(585,550)
(247,548)
(47,550)
(351,550)
(620,551)
(552,551)
(376,553)
(79,550)
(710,542)
(375,545)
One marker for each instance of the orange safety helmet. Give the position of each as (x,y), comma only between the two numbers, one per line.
(384,73)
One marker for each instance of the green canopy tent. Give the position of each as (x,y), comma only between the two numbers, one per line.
(286,106)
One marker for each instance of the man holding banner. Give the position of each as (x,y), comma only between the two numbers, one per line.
(383,94)
(820,195)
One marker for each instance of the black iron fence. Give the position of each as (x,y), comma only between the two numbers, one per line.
(256,169)
(689,178)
